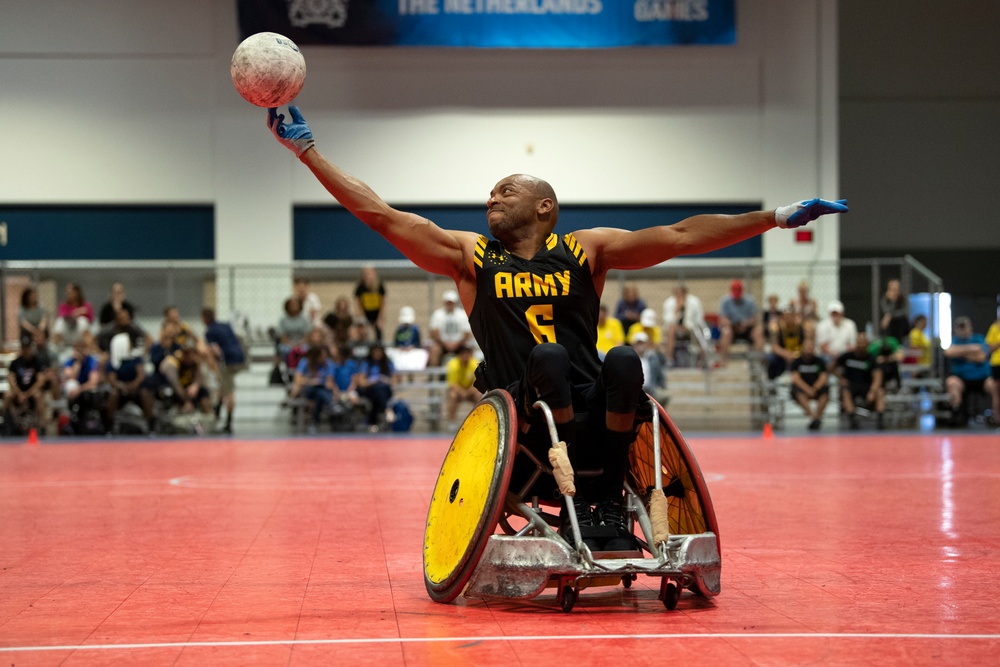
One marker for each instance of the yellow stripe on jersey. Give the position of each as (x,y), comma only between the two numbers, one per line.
(575,248)
(551,242)
(480,249)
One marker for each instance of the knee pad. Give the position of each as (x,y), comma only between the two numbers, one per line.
(622,378)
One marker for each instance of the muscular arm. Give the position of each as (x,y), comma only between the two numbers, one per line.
(610,248)
(444,252)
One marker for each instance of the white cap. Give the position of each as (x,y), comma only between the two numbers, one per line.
(450,295)
(406,315)
(648,318)
(640,337)
(835,307)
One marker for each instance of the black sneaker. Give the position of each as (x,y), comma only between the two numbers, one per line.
(584,519)
(855,424)
(610,514)
(880,422)
(814,425)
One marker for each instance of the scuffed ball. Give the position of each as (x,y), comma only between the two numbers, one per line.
(268,69)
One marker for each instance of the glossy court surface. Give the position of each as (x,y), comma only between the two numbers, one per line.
(862,549)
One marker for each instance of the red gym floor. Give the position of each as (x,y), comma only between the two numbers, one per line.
(870,550)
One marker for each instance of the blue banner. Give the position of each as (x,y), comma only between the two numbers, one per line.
(525,24)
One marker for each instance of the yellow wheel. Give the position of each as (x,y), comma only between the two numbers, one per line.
(691,511)
(469,495)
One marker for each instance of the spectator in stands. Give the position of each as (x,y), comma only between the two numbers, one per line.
(73,317)
(861,380)
(683,315)
(311,306)
(810,383)
(407,333)
(126,375)
(460,375)
(339,321)
(345,385)
(376,378)
(82,376)
(362,339)
(26,375)
(804,305)
(165,346)
(122,323)
(630,306)
(449,329)
(895,309)
(835,334)
(648,324)
(773,312)
(314,382)
(183,371)
(609,332)
(369,296)
(116,302)
(970,372)
(919,341)
(225,347)
(993,344)
(654,380)
(738,321)
(786,337)
(183,336)
(32,318)
(291,331)
(888,354)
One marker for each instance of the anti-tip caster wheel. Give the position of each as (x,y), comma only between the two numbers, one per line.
(670,593)
(567,598)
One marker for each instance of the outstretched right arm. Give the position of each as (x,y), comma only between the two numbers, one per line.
(440,251)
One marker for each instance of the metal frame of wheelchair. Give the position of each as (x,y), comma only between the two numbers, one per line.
(463,554)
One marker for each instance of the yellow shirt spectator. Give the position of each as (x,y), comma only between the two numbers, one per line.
(655,333)
(920,341)
(459,374)
(609,335)
(993,340)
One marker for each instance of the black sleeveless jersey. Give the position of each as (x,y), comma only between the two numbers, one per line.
(550,298)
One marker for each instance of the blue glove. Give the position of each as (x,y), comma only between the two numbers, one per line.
(804,212)
(296,136)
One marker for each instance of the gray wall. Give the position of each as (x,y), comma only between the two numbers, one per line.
(920,135)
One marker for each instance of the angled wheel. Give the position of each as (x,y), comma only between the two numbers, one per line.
(469,495)
(567,598)
(691,511)
(670,593)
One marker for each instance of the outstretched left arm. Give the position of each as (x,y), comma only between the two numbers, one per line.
(620,249)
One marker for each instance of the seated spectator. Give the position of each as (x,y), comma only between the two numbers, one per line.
(183,371)
(888,353)
(122,323)
(629,307)
(312,308)
(993,344)
(73,318)
(290,334)
(184,335)
(647,324)
(449,329)
(786,335)
(835,334)
(116,302)
(32,318)
(126,375)
(81,383)
(970,371)
(895,309)
(861,380)
(375,381)
(810,383)
(804,305)
(226,349)
(460,374)
(26,380)
(362,339)
(339,322)
(654,379)
(314,382)
(166,345)
(609,332)
(682,315)
(738,321)
(407,333)
(920,342)
(773,312)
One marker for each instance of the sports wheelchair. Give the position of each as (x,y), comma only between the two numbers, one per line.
(666,500)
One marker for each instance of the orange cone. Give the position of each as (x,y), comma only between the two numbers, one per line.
(33,436)
(768,432)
